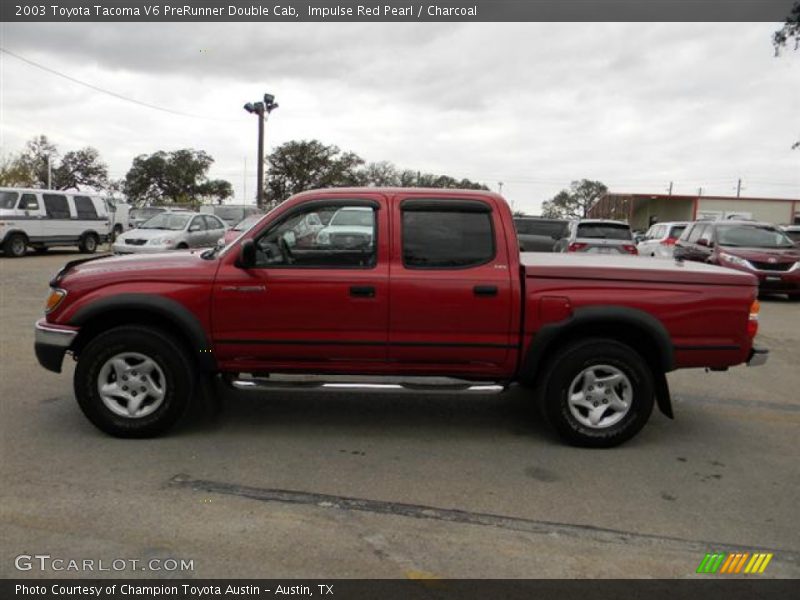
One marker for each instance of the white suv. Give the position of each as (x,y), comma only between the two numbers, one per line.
(659,241)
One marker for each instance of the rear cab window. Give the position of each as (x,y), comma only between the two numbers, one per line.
(446,234)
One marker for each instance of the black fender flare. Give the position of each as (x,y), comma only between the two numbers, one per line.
(653,330)
(166,308)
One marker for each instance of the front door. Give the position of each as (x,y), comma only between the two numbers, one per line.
(451,295)
(317,298)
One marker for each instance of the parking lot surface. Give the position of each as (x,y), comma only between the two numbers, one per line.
(384,484)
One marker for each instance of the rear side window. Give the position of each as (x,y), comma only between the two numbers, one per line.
(85,207)
(29,202)
(677,231)
(447,237)
(604,231)
(8,199)
(55,205)
(213,223)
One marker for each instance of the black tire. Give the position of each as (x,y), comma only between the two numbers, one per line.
(16,245)
(179,378)
(574,359)
(88,244)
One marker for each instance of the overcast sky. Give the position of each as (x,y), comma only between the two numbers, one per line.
(534,105)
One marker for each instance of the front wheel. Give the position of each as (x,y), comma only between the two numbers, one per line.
(89,243)
(133,382)
(598,393)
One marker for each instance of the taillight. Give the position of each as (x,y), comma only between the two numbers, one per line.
(576,247)
(669,242)
(752,321)
(630,249)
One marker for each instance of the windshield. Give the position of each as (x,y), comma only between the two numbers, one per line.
(8,199)
(358,218)
(169,221)
(246,224)
(794,235)
(753,236)
(543,228)
(604,231)
(145,213)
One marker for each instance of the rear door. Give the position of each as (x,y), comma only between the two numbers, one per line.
(451,293)
(215,229)
(58,226)
(197,232)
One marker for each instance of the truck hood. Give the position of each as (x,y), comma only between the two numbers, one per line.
(630,268)
(175,265)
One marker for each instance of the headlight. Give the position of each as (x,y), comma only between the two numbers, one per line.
(161,242)
(54,299)
(735,260)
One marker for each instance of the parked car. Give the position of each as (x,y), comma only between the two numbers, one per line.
(659,241)
(597,236)
(42,219)
(243,225)
(230,213)
(442,290)
(121,215)
(171,231)
(758,248)
(793,231)
(350,227)
(537,234)
(137,216)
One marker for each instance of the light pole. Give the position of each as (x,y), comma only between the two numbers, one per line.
(262,110)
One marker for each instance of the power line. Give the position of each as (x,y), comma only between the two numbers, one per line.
(108,92)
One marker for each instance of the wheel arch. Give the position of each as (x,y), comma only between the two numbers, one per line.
(144,309)
(640,330)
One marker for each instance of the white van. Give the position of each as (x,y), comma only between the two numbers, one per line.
(120,212)
(44,218)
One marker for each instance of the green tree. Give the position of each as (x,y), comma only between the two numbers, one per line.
(78,168)
(789,31)
(14,173)
(177,177)
(575,202)
(297,166)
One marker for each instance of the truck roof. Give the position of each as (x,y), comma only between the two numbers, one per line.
(392,191)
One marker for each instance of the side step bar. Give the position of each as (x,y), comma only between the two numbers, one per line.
(275,381)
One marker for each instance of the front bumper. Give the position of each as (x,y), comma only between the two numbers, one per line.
(758,356)
(51,343)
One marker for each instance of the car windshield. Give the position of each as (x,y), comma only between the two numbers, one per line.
(543,228)
(359,218)
(753,236)
(8,199)
(246,224)
(794,235)
(604,231)
(169,221)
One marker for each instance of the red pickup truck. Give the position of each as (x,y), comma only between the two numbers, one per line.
(401,283)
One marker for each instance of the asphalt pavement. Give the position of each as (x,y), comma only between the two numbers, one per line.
(350,484)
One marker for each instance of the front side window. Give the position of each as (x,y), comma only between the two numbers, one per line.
(696,232)
(197,224)
(56,206)
(85,207)
(302,240)
(213,223)
(438,236)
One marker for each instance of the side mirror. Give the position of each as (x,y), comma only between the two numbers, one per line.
(247,255)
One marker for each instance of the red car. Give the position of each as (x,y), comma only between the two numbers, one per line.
(438,288)
(757,248)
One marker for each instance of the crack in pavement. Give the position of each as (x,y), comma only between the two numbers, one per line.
(453,515)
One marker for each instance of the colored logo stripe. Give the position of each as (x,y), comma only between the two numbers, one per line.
(734,562)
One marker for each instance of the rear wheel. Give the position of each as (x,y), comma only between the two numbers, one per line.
(598,393)
(182,246)
(88,243)
(15,245)
(134,381)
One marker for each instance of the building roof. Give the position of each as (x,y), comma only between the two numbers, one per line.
(646,196)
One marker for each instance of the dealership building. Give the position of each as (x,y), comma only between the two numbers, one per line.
(642,210)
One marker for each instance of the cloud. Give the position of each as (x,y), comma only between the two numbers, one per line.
(534,105)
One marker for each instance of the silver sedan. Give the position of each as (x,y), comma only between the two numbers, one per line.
(171,231)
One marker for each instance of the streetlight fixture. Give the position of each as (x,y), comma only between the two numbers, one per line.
(262,109)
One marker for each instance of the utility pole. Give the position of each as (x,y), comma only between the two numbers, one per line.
(500,187)
(262,111)
(699,191)
(670,188)
(739,188)
(49,173)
